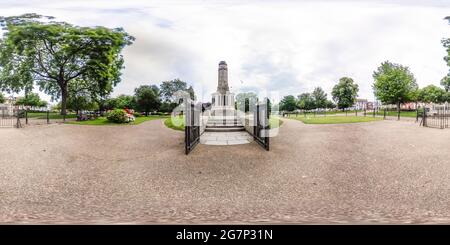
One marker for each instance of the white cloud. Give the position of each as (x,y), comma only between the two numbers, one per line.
(290,47)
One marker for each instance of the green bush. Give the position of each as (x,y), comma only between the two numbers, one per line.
(117,116)
(137,114)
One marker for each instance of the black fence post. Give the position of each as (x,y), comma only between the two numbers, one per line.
(26,116)
(18,119)
(374,112)
(48,117)
(424,117)
(384,114)
(417,113)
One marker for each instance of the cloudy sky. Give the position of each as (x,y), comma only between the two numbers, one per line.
(285,46)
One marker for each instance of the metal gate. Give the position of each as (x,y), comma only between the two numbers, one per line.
(435,116)
(9,116)
(261,124)
(191,126)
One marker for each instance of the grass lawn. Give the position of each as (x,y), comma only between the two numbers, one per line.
(272,122)
(52,115)
(335,119)
(333,112)
(103,121)
(177,123)
(402,113)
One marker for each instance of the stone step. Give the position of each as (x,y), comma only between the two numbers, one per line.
(221,121)
(221,118)
(223,125)
(224,129)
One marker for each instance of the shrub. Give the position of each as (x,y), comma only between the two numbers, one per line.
(117,116)
(137,114)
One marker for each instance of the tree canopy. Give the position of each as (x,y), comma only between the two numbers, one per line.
(168,89)
(394,84)
(31,99)
(147,98)
(319,97)
(36,49)
(126,102)
(445,82)
(432,94)
(288,103)
(345,92)
(306,101)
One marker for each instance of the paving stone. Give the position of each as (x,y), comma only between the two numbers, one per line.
(224,138)
(238,142)
(216,142)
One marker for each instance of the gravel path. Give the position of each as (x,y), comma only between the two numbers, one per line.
(386,171)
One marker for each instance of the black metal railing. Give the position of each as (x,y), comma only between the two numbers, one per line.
(191,127)
(436,116)
(261,125)
(10,117)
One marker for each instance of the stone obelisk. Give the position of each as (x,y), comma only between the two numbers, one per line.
(222,98)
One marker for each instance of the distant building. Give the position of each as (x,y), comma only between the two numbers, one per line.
(408,106)
(360,104)
(373,105)
(6,109)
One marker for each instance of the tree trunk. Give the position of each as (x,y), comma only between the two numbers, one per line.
(64,101)
(398,110)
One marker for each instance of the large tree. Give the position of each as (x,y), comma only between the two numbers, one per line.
(306,101)
(394,84)
(36,49)
(320,97)
(345,92)
(288,103)
(168,89)
(126,102)
(147,98)
(432,94)
(445,82)
(80,96)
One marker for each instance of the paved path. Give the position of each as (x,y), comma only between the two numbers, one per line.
(226,138)
(386,171)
